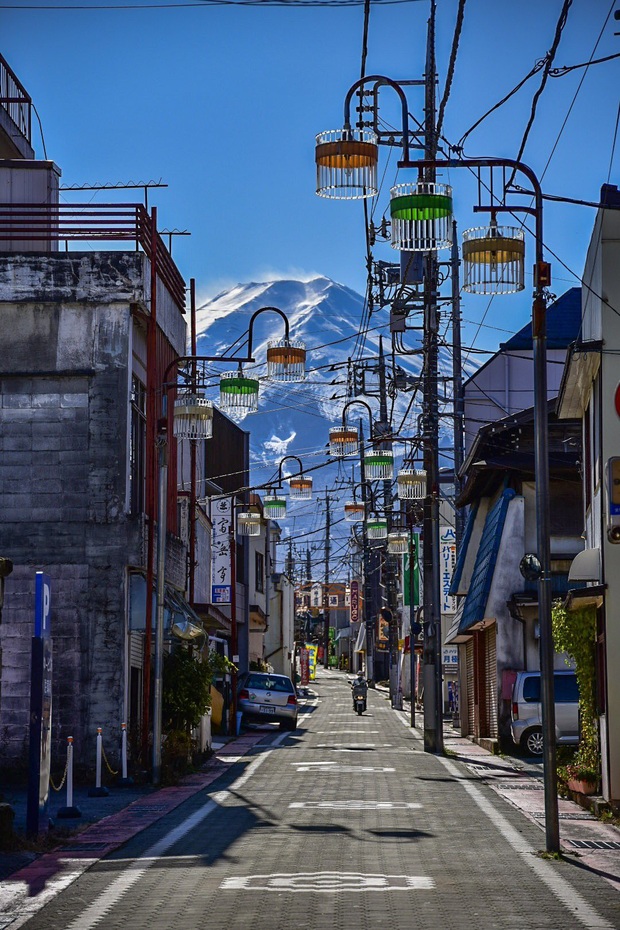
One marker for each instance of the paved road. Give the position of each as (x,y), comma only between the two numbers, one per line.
(345,824)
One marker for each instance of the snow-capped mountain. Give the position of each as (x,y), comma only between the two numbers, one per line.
(294,419)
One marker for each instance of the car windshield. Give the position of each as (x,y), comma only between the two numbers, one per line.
(270,683)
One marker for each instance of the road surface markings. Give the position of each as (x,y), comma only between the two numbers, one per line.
(357,805)
(96,912)
(563,890)
(327,882)
(328,767)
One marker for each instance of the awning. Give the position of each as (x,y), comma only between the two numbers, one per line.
(586,566)
(475,602)
(345,633)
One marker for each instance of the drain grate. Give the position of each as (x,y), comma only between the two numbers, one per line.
(519,787)
(594,844)
(151,809)
(540,815)
(85,847)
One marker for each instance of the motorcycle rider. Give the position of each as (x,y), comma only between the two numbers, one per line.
(359,687)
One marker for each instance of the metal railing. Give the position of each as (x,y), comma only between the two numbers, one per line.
(15,100)
(56,224)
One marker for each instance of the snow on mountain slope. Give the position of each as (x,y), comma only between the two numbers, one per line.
(294,419)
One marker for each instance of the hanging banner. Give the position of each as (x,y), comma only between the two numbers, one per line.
(416,575)
(304,666)
(447,561)
(312,659)
(354,605)
(221,517)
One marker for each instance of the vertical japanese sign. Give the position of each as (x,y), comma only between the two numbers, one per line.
(221,517)
(40,709)
(447,561)
(416,575)
(354,601)
(304,666)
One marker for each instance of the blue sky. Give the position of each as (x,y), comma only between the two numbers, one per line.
(223,104)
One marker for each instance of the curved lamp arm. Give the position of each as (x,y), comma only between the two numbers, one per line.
(380,79)
(263,310)
(350,403)
(282,461)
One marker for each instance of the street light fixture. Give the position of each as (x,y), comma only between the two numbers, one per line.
(238,393)
(411,483)
(421,216)
(493,259)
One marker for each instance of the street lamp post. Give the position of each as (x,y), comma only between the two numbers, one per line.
(414,211)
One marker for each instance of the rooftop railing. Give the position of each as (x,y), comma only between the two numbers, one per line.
(49,227)
(15,100)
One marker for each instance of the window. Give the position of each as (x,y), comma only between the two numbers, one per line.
(259,572)
(565,689)
(137,448)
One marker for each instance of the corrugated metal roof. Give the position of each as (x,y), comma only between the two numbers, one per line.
(486,558)
(563,324)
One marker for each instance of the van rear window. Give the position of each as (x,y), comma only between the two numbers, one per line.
(531,689)
(564,686)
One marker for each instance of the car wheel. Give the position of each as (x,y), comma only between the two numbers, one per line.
(532,742)
(288,725)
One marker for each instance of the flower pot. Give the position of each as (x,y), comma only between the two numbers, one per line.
(582,785)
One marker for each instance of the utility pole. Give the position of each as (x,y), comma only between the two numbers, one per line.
(432,670)
(457,382)
(369,611)
(390,573)
(308,565)
(326,595)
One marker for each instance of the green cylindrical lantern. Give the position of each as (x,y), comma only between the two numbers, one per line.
(238,394)
(379,464)
(376,528)
(274,506)
(421,216)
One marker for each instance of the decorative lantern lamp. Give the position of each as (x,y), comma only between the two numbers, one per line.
(248,523)
(354,511)
(493,259)
(379,464)
(376,528)
(193,417)
(411,484)
(286,360)
(421,216)
(274,506)
(300,487)
(346,164)
(238,394)
(343,440)
(398,542)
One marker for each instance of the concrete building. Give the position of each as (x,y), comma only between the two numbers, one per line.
(85,339)
(590,392)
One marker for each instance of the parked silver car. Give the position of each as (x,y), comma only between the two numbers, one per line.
(526,711)
(267,697)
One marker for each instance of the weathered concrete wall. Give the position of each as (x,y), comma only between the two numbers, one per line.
(63,440)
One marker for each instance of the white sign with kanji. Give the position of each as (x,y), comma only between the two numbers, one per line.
(447,561)
(221,516)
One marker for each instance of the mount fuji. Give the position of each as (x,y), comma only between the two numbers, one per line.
(294,418)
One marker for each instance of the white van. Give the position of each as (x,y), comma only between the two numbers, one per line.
(526,711)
